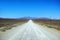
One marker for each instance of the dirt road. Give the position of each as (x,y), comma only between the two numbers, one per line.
(30,31)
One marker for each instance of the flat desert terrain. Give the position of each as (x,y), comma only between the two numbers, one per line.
(29,30)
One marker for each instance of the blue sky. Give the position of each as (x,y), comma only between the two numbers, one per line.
(32,8)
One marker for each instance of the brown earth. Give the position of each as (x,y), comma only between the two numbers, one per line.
(8,24)
(49,23)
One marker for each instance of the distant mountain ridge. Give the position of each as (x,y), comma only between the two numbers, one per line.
(27,18)
(34,18)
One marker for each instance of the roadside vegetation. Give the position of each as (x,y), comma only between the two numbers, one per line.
(10,23)
(49,23)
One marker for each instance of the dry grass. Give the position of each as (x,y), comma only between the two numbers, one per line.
(8,24)
(49,23)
